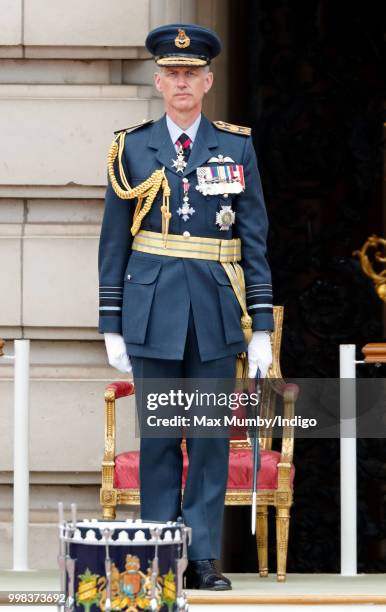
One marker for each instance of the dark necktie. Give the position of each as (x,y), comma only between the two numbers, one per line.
(184,142)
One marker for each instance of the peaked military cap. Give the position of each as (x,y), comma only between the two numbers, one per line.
(181,44)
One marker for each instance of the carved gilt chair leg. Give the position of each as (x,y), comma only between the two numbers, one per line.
(108,502)
(108,495)
(262,539)
(282,529)
(109,513)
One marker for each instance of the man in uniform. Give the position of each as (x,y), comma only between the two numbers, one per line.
(172,293)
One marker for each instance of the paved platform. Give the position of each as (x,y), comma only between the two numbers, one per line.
(249,590)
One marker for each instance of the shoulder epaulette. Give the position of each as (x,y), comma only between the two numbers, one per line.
(131,128)
(230,127)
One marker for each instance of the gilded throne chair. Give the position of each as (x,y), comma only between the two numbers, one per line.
(120,472)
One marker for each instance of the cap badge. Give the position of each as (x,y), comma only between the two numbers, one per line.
(182,40)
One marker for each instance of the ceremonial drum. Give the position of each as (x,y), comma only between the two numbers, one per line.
(123,565)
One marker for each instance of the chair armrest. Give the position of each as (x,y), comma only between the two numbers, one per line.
(118,389)
(284,389)
(113,391)
(375,352)
(290,393)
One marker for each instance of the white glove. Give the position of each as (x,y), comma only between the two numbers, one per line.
(116,352)
(259,354)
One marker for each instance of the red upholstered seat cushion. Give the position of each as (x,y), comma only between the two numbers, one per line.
(239,476)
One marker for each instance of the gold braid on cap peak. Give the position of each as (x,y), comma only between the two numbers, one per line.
(179,60)
(148,189)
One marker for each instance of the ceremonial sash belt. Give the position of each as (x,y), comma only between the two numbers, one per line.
(195,247)
(227,252)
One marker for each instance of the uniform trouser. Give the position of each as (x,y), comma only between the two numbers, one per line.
(160,467)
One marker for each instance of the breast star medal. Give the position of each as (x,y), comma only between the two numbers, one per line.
(185,210)
(225,217)
(179,164)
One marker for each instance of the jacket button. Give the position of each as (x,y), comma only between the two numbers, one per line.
(128,276)
(186,234)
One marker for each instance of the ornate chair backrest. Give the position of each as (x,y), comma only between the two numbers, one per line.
(269,396)
(278,315)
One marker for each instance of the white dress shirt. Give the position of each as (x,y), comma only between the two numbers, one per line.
(175,130)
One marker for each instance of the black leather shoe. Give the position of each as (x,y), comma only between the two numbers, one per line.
(203,574)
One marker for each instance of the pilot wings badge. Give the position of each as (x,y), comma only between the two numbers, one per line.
(221,159)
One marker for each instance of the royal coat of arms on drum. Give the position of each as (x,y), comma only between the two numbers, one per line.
(130,589)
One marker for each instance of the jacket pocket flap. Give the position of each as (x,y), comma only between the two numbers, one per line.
(142,272)
(219,274)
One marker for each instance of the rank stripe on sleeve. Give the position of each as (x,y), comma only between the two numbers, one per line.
(110,300)
(259,298)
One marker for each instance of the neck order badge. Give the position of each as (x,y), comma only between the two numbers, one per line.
(179,164)
(183,144)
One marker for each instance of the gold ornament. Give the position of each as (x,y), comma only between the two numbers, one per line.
(182,40)
(145,191)
(378,278)
(169,594)
(87,593)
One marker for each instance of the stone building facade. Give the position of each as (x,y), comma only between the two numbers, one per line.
(70,74)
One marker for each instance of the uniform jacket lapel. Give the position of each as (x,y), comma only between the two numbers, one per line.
(205,140)
(161,142)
